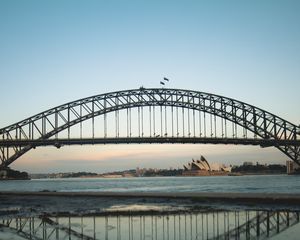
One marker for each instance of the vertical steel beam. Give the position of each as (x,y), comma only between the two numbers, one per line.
(277,222)
(257,224)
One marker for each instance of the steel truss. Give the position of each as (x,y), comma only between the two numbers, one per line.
(42,228)
(264,225)
(40,129)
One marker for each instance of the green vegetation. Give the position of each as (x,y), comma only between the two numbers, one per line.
(163,172)
(260,169)
(9,174)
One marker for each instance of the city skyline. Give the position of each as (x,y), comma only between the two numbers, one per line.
(55,53)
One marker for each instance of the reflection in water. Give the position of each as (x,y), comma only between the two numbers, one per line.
(194,225)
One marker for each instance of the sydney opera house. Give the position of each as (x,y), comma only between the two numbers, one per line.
(203,168)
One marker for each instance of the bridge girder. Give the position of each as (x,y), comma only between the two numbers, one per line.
(43,126)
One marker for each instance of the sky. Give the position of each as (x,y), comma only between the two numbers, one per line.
(53,52)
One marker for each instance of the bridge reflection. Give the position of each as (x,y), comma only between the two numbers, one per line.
(192,225)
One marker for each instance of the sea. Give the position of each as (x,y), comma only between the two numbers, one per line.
(239,184)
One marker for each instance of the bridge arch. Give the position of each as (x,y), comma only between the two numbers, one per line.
(270,129)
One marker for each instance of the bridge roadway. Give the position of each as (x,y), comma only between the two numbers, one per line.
(59,142)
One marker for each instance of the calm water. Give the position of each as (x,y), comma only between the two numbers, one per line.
(256,225)
(267,183)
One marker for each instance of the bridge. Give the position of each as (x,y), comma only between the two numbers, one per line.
(150,115)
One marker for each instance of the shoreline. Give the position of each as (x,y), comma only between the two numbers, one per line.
(125,177)
(232,197)
(238,174)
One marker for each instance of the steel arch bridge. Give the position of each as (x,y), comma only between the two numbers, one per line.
(161,116)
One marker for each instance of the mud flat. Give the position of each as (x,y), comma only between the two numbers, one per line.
(80,203)
(201,196)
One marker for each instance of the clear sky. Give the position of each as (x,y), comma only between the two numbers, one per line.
(52,52)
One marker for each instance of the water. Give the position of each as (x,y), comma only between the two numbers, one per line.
(40,218)
(183,226)
(249,184)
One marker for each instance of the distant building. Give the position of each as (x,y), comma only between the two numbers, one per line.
(201,167)
(292,167)
(201,164)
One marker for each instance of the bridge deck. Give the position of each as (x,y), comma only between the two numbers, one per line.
(140,140)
